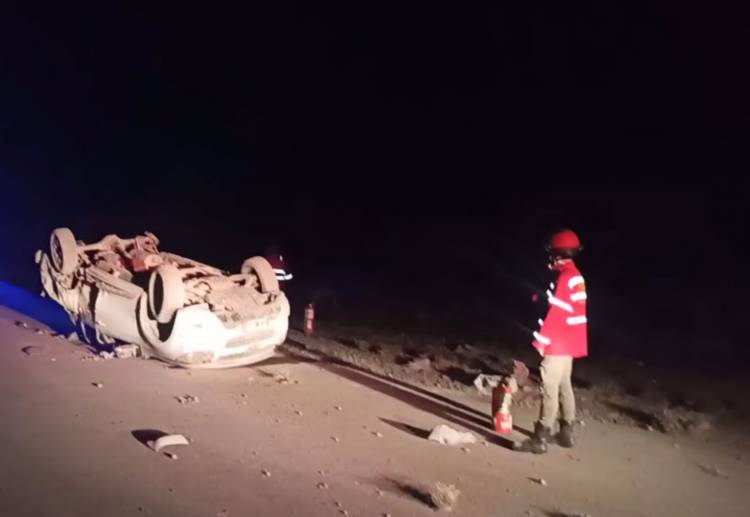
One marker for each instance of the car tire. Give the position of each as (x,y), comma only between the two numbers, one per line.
(63,250)
(262,269)
(166,292)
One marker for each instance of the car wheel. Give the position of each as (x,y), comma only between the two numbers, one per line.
(63,250)
(262,269)
(166,292)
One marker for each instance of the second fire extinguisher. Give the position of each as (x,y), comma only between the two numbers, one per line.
(309,319)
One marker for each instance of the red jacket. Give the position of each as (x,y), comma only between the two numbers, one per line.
(564,330)
(279,266)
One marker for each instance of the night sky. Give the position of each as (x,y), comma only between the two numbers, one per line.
(396,144)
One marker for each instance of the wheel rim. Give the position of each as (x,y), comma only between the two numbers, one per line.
(57,253)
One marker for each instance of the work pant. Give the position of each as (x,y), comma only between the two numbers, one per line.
(557,389)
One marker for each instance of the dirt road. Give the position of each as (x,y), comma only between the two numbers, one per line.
(292,437)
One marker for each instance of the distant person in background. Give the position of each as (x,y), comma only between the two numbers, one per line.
(279,265)
(562,337)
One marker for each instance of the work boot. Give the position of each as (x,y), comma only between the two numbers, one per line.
(565,437)
(538,442)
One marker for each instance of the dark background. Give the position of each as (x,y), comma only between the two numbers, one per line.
(411,158)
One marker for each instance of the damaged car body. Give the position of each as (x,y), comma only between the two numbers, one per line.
(175,309)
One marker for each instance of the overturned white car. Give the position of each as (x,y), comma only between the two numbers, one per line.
(175,309)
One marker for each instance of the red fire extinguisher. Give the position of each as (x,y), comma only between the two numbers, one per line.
(503,419)
(309,319)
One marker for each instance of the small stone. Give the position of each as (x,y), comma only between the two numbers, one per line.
(485,444)
(649,428)
(379,492)
(339,505)
(540,481)
(266,473)
(377,434)
(97,384)
(466,450)
(323,486)
(298,412)
(53,360)
(32,350)
(244,395)
(338,408)
(170,455)
(335,439)
(344,513)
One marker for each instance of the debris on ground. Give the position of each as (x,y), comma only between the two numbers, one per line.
(167,441)
(448,436)
(419,364)
(444,496)
(485,383)
(126,351)
(323,486)
(282,377)
(335,439)
(539,481)
(170,455)
(33,350)
(377,434)
(106,355)
(713,470)
(187,399)
(265,473)
(97,384)
(680,420)
(22,324)
(338,408)
(298,413)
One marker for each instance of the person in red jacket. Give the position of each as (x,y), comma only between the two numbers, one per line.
(561,338)
(279,265)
